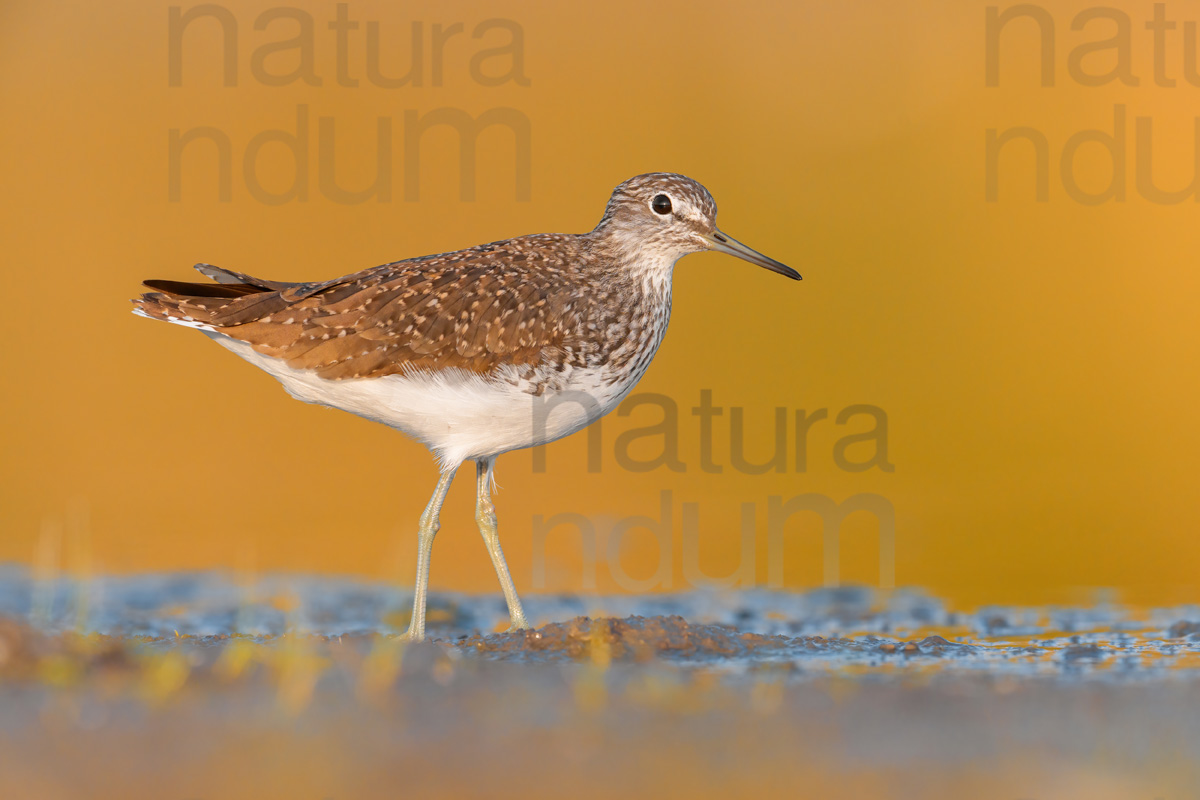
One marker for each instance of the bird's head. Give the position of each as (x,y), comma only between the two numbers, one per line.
(663,216)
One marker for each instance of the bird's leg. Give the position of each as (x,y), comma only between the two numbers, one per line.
(485,517)
(425,533)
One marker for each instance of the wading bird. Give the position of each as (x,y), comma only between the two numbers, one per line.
(478,352)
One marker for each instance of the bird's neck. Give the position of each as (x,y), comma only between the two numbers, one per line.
(628,257)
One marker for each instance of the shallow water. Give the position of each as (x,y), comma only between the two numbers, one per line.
(831,629)
(197,686)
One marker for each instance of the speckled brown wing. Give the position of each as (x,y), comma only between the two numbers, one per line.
(473,309)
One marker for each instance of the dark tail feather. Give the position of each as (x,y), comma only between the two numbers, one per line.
(224,304)
(188,289)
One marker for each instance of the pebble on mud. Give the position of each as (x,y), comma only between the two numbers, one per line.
(1183,628)
(1077,651)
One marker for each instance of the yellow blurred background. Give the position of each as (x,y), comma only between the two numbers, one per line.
(1036,360)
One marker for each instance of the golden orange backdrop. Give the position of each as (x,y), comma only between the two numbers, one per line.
(1035,358)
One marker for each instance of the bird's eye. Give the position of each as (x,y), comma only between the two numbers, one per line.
(661,204)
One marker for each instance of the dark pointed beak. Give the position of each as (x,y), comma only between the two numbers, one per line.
(726,244)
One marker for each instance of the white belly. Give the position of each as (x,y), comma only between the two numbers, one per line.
(457,414)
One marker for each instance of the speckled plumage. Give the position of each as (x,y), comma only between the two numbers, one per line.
(557,300)
(480,351)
